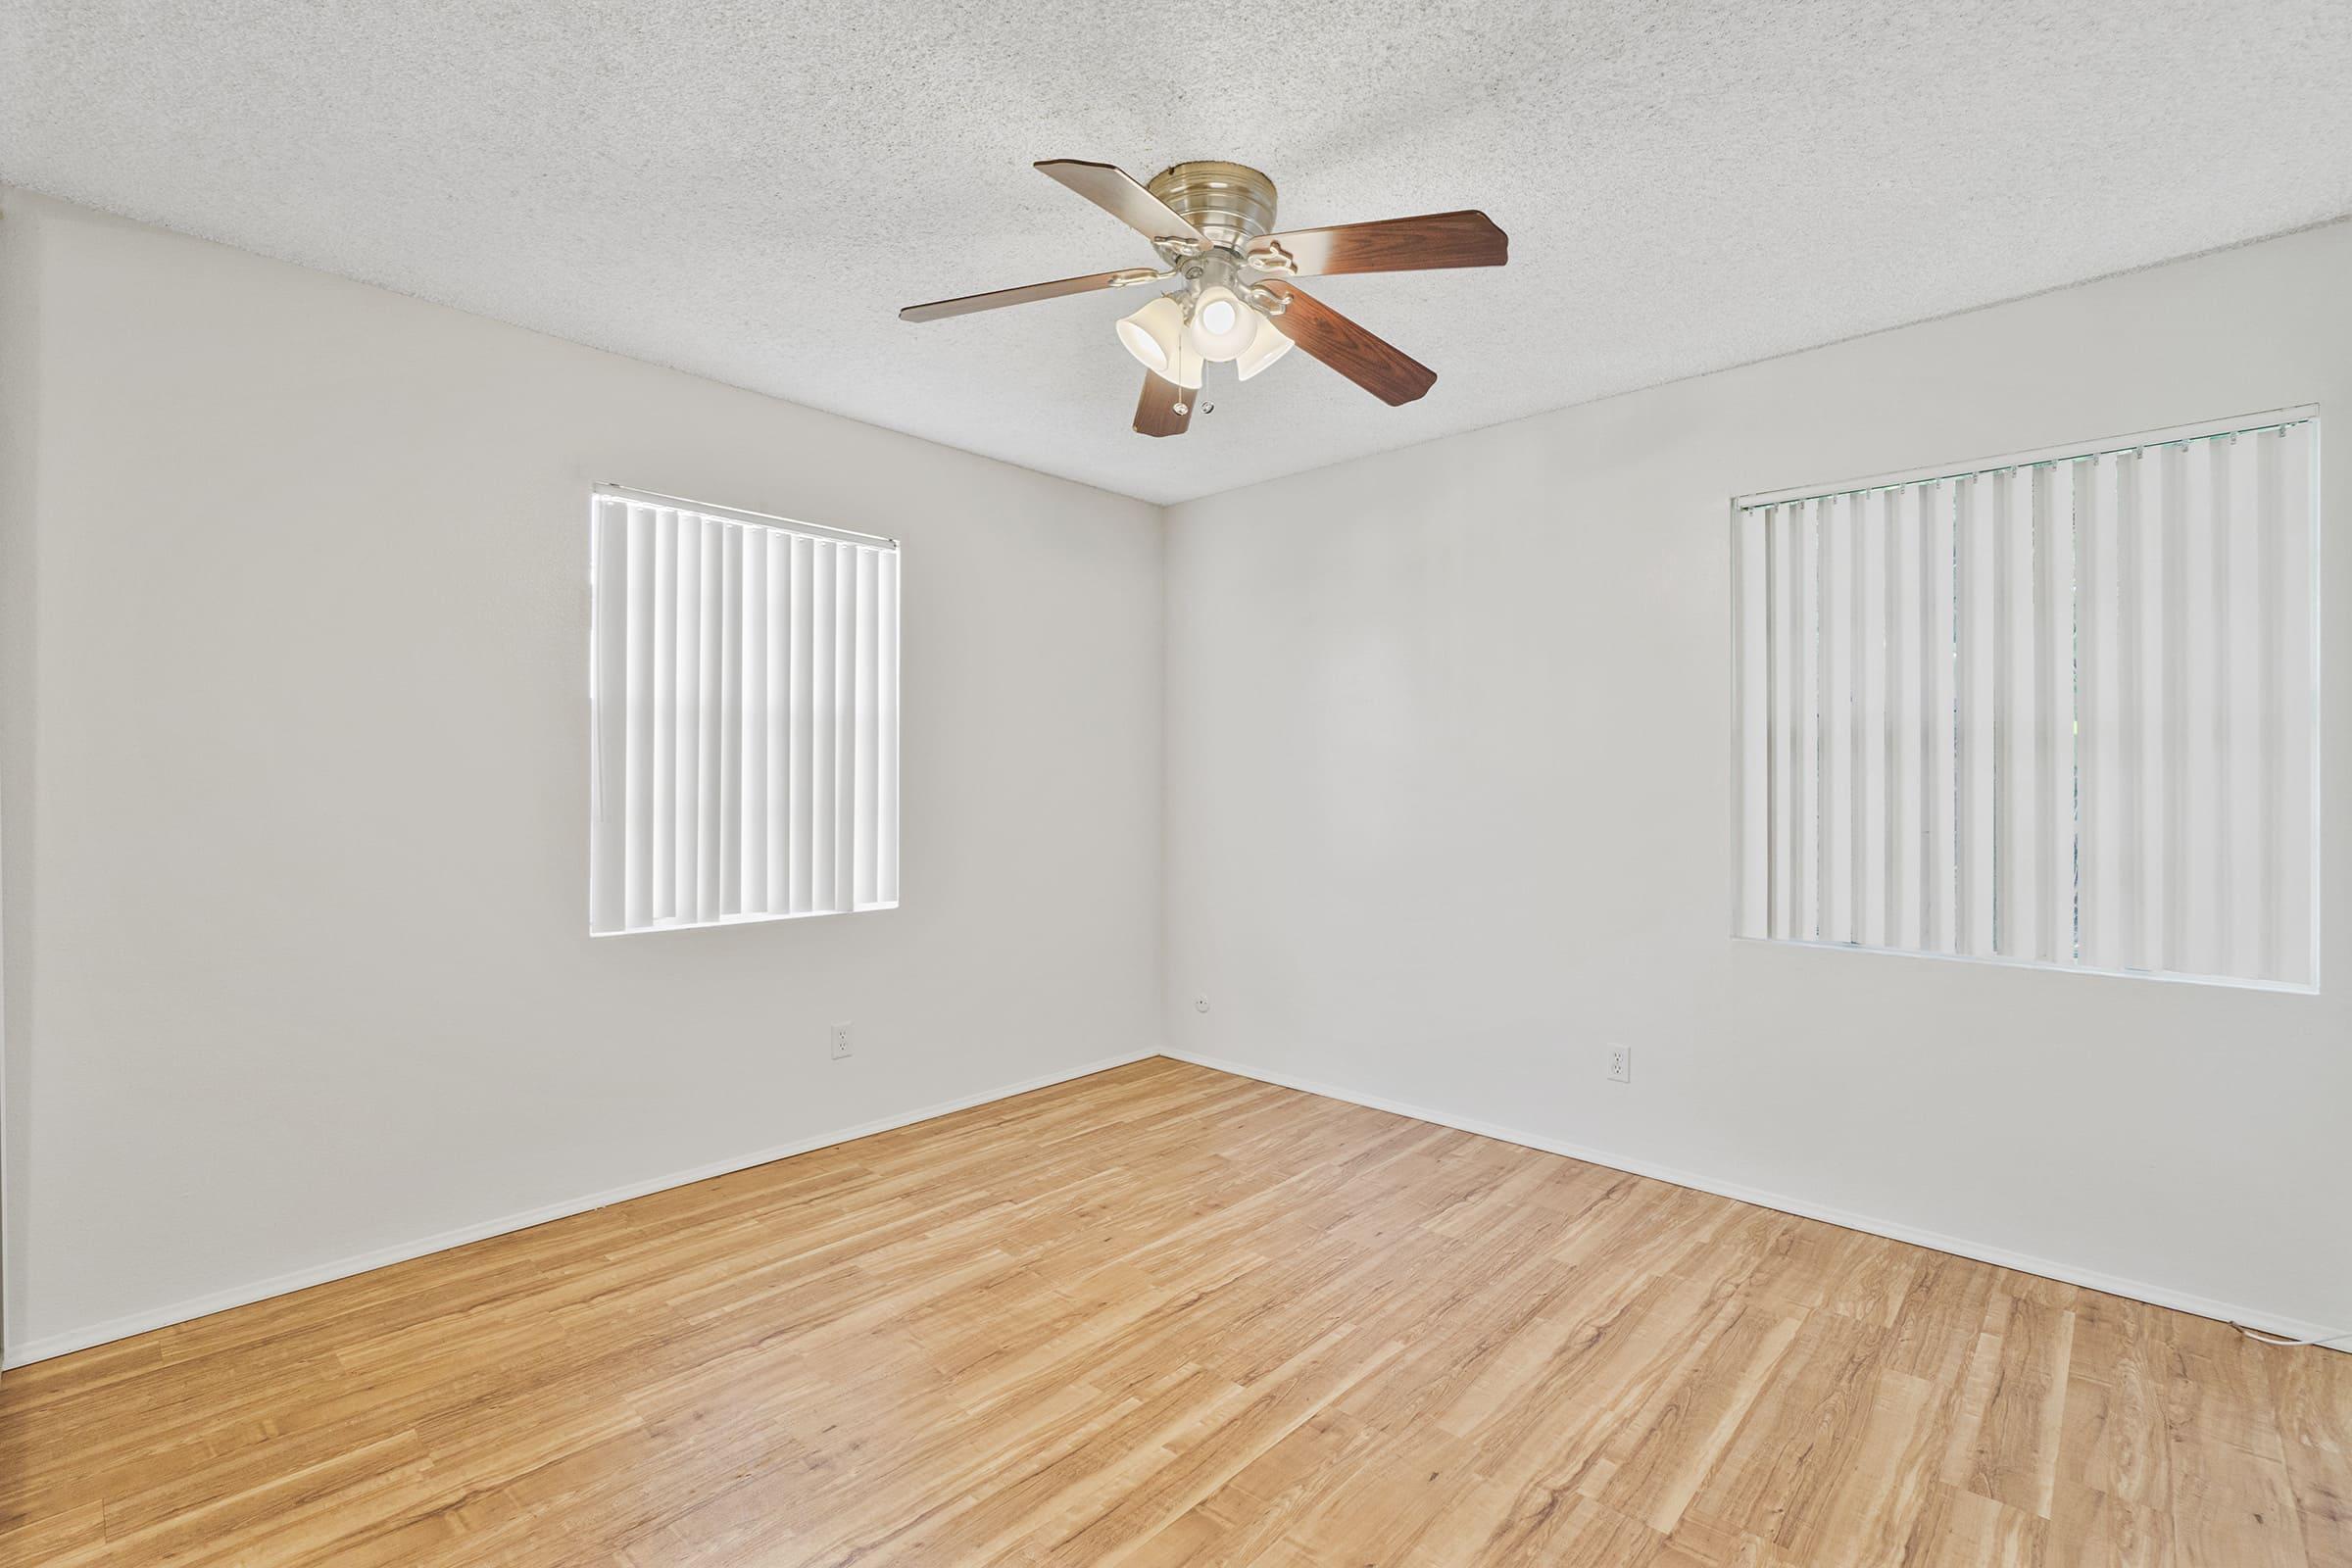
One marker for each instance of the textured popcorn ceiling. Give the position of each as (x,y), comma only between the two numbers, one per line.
(748,191)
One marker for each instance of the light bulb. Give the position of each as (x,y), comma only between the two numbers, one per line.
(1152,335)
(1221,327)
(1264,348)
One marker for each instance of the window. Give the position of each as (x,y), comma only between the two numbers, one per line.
(2059,710)
(743,688)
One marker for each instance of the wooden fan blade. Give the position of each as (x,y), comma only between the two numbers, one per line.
(1116,192)
(1164,409)
(1380,368)
(968,303)
(1466,238)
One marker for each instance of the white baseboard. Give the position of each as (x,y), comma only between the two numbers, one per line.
(1958,1246)
(123,1328)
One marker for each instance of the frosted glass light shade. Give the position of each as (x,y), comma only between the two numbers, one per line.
(1188,366)
(1153,336)
(1265,347)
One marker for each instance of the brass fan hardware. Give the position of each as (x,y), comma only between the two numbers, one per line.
(1270,255)
(1267,299)
(1210,223)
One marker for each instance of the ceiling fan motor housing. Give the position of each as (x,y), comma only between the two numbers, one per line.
(1229,202)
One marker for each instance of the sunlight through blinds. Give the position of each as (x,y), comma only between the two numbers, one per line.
(744,692)
(2061,711)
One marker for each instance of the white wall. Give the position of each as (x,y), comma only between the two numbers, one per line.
(1448,806)
(302,563)
(296,760)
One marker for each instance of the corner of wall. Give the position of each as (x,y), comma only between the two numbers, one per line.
(20,360)
(1163,519)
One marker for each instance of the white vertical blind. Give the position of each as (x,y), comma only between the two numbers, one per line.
(745,696)
(2058,710)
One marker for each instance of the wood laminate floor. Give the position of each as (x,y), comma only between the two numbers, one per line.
(1162,1315)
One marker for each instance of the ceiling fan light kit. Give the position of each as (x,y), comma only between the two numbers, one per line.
(1211,224)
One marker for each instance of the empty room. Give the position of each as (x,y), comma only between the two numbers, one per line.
(736,830)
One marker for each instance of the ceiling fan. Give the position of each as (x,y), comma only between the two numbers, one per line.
(1210,221)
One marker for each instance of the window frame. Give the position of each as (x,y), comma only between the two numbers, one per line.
(604,492)
(1737,737)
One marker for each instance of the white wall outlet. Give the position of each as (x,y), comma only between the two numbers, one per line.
(841,1040)
(1621,1064)
(1199,1003)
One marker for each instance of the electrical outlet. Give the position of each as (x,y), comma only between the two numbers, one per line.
(1621,1064)
(1199,1003)
(841,1040)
